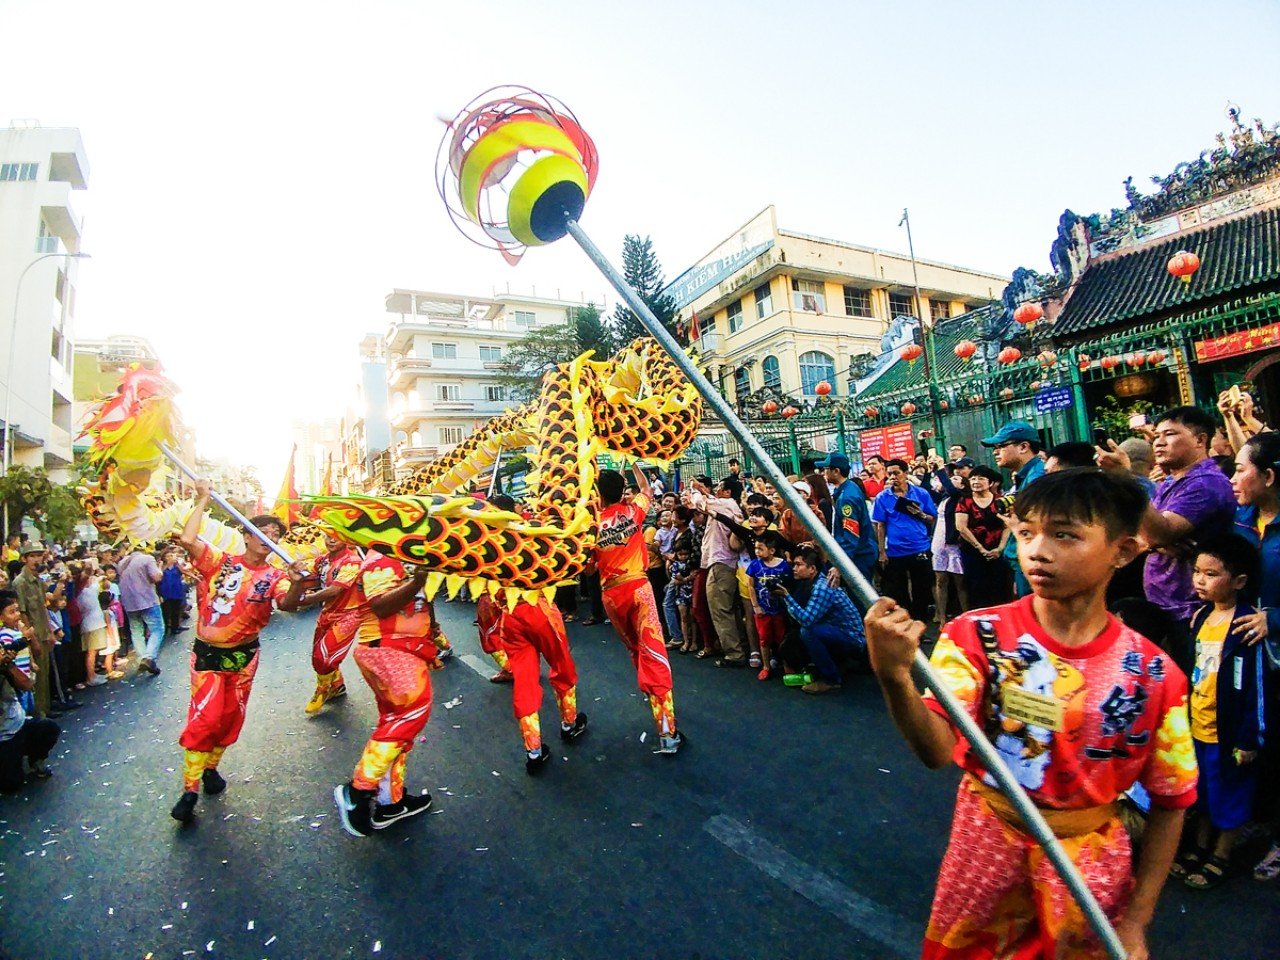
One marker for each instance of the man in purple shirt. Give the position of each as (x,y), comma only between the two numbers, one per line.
(139,574)
(1194,500)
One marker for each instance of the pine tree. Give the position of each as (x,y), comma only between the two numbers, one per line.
(643,272)
(592,331)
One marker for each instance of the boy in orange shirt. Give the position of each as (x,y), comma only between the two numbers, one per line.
(1080,708)
(622,559)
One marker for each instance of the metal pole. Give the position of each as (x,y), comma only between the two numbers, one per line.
(925,333)
(221,501)
(924,672)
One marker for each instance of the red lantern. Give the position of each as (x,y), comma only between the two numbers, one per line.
(908,408)
(789,411)
(1028,313)
(770,407)
(1136,360)
(944,406)
(1083,361)
(1036,385)
(974,400)
(1109,363)
(1006,393)
(1155,358)
(1183,264)
(965,350)
(822,388)
(1009,355)
(912,352)
(871,413)
(1047,358)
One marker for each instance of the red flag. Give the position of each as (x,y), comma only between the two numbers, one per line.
(286,505)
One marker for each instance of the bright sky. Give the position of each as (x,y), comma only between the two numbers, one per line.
(262,173)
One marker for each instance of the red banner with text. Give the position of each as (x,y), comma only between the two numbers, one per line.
(894,442)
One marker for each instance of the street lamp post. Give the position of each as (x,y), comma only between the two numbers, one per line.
(926,346)
(8,383)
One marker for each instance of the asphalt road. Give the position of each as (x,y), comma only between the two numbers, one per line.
(790,826)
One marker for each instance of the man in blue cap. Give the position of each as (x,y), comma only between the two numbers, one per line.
(850,520)
(1016,447)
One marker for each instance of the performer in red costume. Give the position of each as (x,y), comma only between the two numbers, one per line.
(396,653)
(338,575)
(526,632)
(489,620)
(234,596)
(622,559)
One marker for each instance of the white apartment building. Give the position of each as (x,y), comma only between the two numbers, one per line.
(444,364)
(40,235)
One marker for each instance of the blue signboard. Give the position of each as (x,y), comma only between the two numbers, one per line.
(698,280)
(1053,398)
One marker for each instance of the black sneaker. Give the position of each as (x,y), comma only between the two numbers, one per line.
(410,805)
(184,811)
(578,729)
(534,765)
(213,781)
(355,807)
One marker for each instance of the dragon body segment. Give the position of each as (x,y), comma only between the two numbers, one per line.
(635,405)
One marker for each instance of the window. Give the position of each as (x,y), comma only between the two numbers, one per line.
(448,391)
(939,309)
(816,366)
(18,171)
(741,383)
(495,394)
(764,301)
(490,354)
(525,318)
(735,316)
(452,435)
(809,295)
(857,302)
(46,242)
(444,351)
(901,305)
(772,373)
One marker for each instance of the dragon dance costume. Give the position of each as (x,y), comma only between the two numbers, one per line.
(337,623)
(234,602)
(1077,726)
(528,631)
(395,654)
(622,558)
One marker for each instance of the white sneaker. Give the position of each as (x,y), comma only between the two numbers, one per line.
(96,680)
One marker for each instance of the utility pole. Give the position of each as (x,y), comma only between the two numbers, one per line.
(925,340)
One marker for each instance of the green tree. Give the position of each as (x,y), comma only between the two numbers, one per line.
(544,348)
(60,513)
(643,271)
(54,508)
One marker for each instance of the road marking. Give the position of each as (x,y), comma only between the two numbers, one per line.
(882,925)
(483,667)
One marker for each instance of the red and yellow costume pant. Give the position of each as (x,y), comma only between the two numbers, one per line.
(489,620)
(998,895)
(333,640)
(634,613)
(399,673)
(219,698)
(528,632)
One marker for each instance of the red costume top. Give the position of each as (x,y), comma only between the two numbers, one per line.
(621,553)
(342,568)
(234,601)
(1077,725)
(380,574)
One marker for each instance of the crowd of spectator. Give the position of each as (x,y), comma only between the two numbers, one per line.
(74,618)
(743,585)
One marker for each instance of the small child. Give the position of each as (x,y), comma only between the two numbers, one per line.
(15,636)
(766,570)
(112,614)
(1078,706)
(1227,706)
(680,587)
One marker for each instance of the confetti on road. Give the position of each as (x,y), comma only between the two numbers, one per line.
(377,946)
(450,704)
(643,736)
(496,773)
(270,942)
(208,947)
(883,769)
(68,896)
(482,849)
(250,927)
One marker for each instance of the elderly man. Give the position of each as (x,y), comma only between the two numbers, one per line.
(31,601)
(139,575)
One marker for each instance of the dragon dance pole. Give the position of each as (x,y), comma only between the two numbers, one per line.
(221,501)
(924,672)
